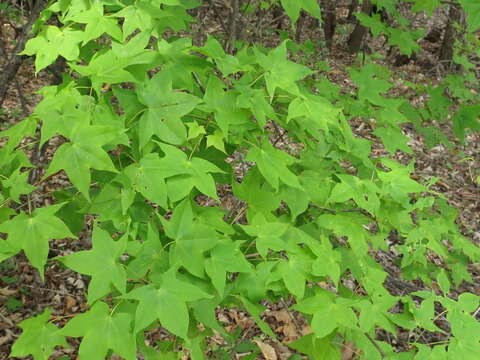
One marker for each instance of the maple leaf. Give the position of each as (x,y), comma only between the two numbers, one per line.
(175,163)
(165,108)
(224,105)
(269,235)
(191,239)
(224,257)
(97,23)
(101,331)
(281,73)
(327,313)
(272,164)
(52,42)
(39,338)
(293,8)
(102,263)
(31,233)
(83,153)
(166,303)
(370,86)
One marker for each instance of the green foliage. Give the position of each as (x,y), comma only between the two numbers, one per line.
(150,129)
(39,338)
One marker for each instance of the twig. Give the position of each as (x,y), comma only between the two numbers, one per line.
(374,343)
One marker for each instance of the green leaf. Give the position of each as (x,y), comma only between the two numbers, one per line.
(466,117)
(165,108)
(327,315)
(281,73)
(317,349)
(373,22)
(297,201)
(102,263)
(293,8)
(97,24)
(255,310)
(106,67)
(428,5)
(52,42)
(405,40)
(272,164)
(472,10)
(328,260)
(268,235)
(191,239)
(198,169)
(101,331)
(217,140)
(225,257)
(224,105)
(168,304)
(18,184)
(369,83)
(151,256)
(397,182)
(294,273)
(259,196)
(393,139)
(443,281)
(31,233)
(39,338)
(83,153)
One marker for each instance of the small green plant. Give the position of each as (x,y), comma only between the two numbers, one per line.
(151,128)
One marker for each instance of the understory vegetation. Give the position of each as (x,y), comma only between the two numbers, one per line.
(213,158)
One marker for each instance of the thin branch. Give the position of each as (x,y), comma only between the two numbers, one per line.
(15,61)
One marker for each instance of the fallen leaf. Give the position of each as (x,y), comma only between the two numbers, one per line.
(267,350)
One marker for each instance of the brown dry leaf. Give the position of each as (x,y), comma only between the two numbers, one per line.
(289,329)
(7,292)
(348,351)
(70,302)
(267,350)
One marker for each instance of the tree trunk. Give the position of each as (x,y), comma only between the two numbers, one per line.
(299,26)
(450,34)
(13,64)
(357,36)
(277,14)
(351,10)
(329,19)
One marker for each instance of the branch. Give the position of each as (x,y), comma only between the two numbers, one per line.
(15,61)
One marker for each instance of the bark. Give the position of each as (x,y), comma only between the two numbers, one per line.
(233,29)
(351,10)
(358,34)
(278,16)
(329,19)
(13,64)
(299,26)
(450,34)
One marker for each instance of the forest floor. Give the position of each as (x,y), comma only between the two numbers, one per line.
(22,293)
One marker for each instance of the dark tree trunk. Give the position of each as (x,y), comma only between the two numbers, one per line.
(277,14)
(299,26)
(13,64)
(352,8)
(233,29)
(357,36)
(329,19)
(450,34)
